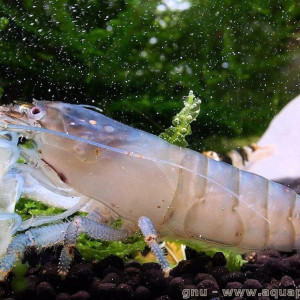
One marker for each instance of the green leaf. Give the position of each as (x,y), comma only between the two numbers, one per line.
(93,249)
(3,23)
(176,134)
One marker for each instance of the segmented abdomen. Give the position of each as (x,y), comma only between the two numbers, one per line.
(220,203)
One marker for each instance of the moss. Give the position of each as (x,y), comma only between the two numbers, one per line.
(136,61)
(181,122)
(28,208)
(19,282)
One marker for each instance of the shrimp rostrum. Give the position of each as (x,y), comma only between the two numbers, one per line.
(151,184)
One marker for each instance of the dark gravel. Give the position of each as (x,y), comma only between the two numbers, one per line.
(112,279)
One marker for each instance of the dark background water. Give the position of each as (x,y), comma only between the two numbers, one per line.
(137,59)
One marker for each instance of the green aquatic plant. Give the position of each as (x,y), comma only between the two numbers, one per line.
(137,58)
(19,283)
(181,122)
(3,23)
(94,249)
(28,208)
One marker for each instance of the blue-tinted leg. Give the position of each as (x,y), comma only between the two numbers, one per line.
(64,233)
(91,228)
(40,237)
(150,236)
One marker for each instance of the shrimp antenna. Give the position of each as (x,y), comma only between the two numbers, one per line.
(124,152)
(94,108)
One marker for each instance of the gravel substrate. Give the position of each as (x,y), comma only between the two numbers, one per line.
(112,279)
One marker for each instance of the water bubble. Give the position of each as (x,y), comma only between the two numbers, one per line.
(153,40)
(225,65)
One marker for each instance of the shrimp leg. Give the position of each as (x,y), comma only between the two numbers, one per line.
(41,237)
(91,228)
(41,220)
(63,233)
(150,235)
(17,220)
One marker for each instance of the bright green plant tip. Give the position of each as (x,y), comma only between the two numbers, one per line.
(181,122)
(3,23)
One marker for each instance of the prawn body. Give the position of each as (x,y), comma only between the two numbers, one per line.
(185,194)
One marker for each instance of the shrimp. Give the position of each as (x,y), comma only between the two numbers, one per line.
(11,185)
(153,185)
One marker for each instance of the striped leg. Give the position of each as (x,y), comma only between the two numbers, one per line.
(63,233)
(92,229)
(150,236)
(40,237)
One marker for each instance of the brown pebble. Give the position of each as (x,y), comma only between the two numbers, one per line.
(133,264)
(163,297)
(80,295)
(208,284)
(109,261)
(45,291)
(176,287)
(271,286)
(105,290)
(218,272)
(233,276)
(275,268)
(287,282)
(49,273)
(132,276)
(218,259)
(32,282)
(252,284)
(270,253)
(2,293)
(142,293)
(261,260)
(203,276)
(109,270)
(150,265)
(112,278)
(153,279)
(124,291)
(234,285)
(187,281)
(63,296)
(251,267)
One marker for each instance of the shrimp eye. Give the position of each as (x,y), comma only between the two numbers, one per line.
(37,113)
